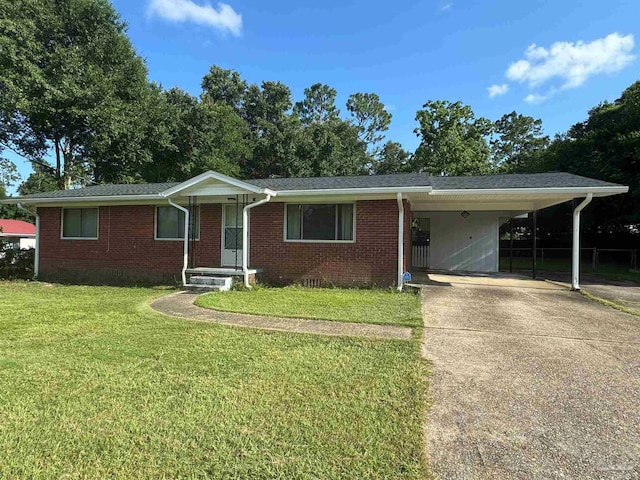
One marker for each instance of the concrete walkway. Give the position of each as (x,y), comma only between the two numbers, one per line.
(530,381)
(181,305)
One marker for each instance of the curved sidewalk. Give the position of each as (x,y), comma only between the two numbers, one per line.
(181,305)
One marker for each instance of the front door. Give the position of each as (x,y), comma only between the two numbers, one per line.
(232,236)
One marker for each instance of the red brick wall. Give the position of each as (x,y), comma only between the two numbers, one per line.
(125,248)
(372,259)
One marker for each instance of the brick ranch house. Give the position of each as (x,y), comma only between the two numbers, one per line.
(354,230)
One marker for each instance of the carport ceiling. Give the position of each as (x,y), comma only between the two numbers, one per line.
(487,202)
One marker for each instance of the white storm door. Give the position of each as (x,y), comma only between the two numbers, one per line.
(232,236)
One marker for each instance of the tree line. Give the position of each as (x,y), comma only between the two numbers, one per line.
(76,102)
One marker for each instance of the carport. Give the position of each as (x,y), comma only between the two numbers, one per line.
(455,226)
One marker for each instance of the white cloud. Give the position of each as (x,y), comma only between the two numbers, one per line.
(497,90)
(535,98)
(446,6)
(573,63)
(223,18)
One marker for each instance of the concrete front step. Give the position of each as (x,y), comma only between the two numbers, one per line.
(210,280)
(205,288)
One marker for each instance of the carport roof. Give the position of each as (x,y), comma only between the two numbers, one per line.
(342,184)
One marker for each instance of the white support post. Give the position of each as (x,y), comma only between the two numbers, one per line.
(36,258)
(400,240)
(185,261)
(575,262)
(245,238)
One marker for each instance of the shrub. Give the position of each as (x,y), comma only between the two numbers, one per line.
(15,263)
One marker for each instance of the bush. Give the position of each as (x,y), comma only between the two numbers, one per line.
(15,263)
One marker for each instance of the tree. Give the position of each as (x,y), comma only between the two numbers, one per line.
(517,143)
(68,73)
(606,146)
(318,105)
(452,140)
(329,149)
(189,137)
(275,132)
(8,177)
(41,180)
(392,159)
(223,87)
(370,118)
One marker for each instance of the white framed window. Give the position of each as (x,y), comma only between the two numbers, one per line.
(79,224)
(320,222)
(169,223)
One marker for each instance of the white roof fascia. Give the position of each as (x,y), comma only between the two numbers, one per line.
(103,198)
(353,191)
(541,190)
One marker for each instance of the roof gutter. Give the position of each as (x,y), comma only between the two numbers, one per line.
(354,191)
(524,191)
(245,238)
(185,250)
(109,198)
(400,240)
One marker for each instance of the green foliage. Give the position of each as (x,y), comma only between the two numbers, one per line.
(15,264)
(223,87)
(369,117)
(605,146)
(517,143)
(392,159)
(68,71)
(452,140)
(318,105)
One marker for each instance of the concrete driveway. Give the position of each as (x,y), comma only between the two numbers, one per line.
(530,381)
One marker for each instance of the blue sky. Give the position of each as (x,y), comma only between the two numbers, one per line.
(408,52)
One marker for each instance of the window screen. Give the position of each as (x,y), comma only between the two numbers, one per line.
(80,223)
(170,223)
(320,222)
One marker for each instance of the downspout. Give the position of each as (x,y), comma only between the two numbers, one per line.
(245,238)
(575,263)
(185,261)
(400,239)
(36,259)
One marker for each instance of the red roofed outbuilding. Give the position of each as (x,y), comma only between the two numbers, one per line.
(19,233)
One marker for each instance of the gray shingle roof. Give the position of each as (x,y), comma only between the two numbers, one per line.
(532,180)
(107,190)
(356,181)
(516,180)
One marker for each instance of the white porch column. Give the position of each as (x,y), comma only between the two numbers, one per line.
(575,261)
(185,250)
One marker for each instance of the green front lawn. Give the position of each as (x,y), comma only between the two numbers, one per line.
(94,384)
(346,305)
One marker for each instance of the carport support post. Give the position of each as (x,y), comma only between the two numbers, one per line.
(534,217)
(575,260)
(511,245)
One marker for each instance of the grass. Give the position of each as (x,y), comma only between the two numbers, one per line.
(346,305)
(94,384)
(609,270)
